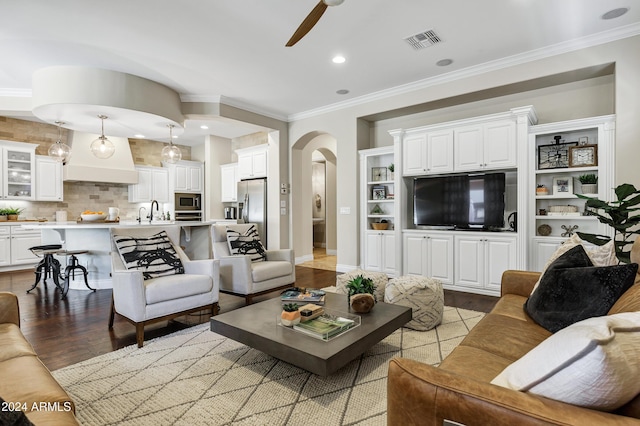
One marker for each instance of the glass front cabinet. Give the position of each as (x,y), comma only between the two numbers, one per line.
(18,166)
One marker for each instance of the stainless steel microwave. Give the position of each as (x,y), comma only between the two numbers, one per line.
(190,202)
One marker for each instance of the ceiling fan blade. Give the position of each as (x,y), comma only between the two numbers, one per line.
(308,23)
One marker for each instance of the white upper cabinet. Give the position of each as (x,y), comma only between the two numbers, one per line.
(186,176)
(426,153)
(18,170)
(252,162)
(229,182)
(486,146)
(49,186)
(153,184)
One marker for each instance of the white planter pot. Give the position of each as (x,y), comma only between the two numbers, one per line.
(589,188)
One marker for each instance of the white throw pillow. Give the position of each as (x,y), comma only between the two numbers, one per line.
(604,255)
(593,363)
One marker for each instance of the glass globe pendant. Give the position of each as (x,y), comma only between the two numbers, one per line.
(60,150)
(102,147)
(171,153)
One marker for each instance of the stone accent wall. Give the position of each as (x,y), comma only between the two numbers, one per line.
(80,196)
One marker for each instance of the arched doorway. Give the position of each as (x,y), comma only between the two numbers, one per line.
(303,196)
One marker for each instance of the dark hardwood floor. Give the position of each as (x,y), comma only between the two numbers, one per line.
(64,332)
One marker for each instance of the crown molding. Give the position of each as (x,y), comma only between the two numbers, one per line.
(15,93)
(522,58)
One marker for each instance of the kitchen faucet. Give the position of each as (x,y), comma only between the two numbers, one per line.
(140,214)
(157,209)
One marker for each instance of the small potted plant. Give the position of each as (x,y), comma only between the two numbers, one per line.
(290,315)
(589,183)
(361,294)
(13,213)
(391,168)
(3,215)
(542,190)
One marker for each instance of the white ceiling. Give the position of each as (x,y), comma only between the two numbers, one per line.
(235,49)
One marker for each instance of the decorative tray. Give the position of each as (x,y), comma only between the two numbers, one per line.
(326,327)
(90,222)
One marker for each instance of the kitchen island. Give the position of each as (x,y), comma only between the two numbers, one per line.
(96,238)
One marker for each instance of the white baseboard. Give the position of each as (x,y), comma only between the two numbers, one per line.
(305,258)
(345,268)
(331,252)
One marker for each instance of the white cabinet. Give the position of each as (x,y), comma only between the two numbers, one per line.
(5,246)
(18,166)
(252,162)
(481,260)
(189,176)
(380,254)
(21,241)
(427,153)
(485,146)
(49,186)
(153,184)
(429,255)
(229,182)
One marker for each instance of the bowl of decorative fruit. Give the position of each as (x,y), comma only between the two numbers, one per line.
(92,216)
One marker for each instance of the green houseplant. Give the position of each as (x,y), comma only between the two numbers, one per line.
(589,183)
(621,214)
(360,291)
(3,214)
(290,315)
(13,213)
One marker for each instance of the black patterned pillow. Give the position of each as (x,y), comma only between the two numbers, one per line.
(246,243)
(154,255)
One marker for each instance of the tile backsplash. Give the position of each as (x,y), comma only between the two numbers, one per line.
(80,196)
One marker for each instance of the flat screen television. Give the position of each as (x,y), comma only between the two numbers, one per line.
(473,201)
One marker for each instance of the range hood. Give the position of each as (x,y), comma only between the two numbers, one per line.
(83,166)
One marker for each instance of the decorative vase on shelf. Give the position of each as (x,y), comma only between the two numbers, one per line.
(589,188)
(542,190)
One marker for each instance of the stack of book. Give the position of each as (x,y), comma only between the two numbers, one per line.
(325,326)
(302,297)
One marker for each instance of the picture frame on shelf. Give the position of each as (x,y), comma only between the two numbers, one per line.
(555,155)
(379,193)
(562,185)
(378,174)
(583,156)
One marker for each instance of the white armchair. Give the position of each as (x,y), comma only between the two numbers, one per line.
(242,277)
(162,298)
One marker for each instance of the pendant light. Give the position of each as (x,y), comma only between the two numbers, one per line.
(171,153)
(60,150)
(102,147)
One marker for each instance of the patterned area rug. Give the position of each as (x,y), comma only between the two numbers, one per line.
(196,377)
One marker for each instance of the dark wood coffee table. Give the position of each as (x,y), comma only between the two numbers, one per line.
(257,326)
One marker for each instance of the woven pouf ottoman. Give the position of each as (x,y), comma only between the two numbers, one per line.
(379,279)
(424,295)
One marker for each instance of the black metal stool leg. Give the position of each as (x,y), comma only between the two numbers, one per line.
(40,269)
(70,270)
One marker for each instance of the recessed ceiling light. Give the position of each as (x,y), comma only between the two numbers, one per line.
(342,91)
(615,13)
(444,62)
(138,136)
(204,127)
(339,59)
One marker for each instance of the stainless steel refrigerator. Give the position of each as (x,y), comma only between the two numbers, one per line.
(252,205)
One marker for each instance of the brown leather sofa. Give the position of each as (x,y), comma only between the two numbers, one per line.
(24,380)
(460,390)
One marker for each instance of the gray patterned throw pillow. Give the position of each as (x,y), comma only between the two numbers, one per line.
(154,255)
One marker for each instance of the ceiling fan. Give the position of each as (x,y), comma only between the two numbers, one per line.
(311,20)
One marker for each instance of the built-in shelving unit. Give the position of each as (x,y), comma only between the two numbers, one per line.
(378,210)
(559,212)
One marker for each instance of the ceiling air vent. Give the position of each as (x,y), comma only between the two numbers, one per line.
(424,39)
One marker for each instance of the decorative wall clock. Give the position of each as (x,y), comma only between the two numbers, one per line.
(583,156)
(555,155)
